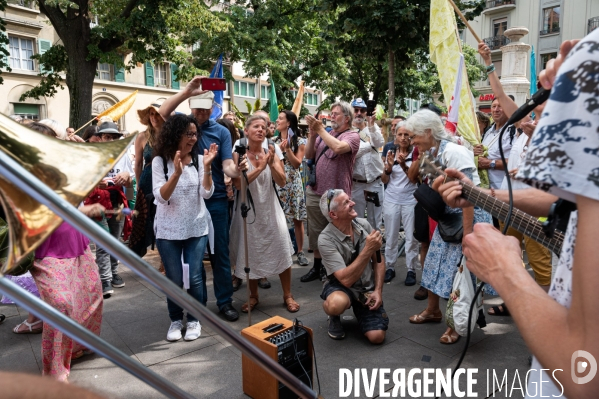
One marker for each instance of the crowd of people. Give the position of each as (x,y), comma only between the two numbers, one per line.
(193,176)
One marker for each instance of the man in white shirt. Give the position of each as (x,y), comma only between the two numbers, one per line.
(368,166)
(118,177)
(492,160)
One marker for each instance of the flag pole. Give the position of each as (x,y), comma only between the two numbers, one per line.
(463,18)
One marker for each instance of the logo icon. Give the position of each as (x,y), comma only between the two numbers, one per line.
(581,362)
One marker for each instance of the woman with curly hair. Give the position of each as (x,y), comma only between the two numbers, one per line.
(292,194)
(181,179)
(142,233)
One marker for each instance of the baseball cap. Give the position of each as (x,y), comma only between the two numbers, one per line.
(109,127)
(358,103)
(203,101)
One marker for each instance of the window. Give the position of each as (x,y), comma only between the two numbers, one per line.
(161,71)
(265,92)
(22,3)
(499,26)
(244,89)
(103,71)
(27,111)
(550,20)
(21,51)
(311,98)
(545,58)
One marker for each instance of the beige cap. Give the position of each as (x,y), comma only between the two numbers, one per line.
(203,101)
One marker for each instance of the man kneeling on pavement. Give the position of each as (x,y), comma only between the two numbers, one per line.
(348,247)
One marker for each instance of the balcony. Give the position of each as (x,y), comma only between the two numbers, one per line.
(593,24)
(497,6)
(552,30)
(496,42)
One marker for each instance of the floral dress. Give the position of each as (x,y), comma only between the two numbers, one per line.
(443,258)
(292,195)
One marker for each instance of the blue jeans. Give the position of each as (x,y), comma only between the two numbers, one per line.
(107,264)
(193,253)
(221,265)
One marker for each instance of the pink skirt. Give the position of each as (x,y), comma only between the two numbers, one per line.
(73,287)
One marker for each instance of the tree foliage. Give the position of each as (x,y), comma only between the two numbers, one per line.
(106,31)
(3,43)
(280,37)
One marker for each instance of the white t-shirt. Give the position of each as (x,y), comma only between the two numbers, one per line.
(562,159)
(459,157)
(517,155)
(400,190)
(496,176)
(123,165)
(265,146)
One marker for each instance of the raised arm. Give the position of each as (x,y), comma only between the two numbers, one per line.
(337,146)
(509,106)
(191,89)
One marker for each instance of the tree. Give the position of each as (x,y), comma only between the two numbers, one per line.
(150,30)
(3,43)
(387,37)
(279,37)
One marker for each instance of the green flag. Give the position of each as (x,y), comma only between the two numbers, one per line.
(274,106)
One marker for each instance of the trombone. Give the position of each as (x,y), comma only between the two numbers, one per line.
(41,178)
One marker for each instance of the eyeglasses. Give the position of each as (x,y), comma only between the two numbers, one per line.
(335,114)
(359,110)
(191,134)
(330,195)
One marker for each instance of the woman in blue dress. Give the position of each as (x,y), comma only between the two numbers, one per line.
(442,260)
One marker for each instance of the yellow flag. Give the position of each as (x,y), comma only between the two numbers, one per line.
(119,109)
(445,51)
(299,100)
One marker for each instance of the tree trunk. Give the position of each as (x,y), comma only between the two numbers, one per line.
(80,81)
(391,103)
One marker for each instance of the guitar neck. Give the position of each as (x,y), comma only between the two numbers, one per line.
(520,221)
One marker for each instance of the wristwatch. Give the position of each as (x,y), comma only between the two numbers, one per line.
(493,164)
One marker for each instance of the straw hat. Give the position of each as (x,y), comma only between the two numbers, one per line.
(144,114)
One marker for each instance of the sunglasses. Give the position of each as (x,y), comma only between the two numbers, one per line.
(330,195)
(359,110)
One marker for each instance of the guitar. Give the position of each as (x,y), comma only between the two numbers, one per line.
(520,221)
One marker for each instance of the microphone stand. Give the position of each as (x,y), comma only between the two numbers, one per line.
(244,214)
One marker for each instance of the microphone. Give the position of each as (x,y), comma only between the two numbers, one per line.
(538,98)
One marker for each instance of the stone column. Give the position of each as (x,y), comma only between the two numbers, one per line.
(514,65)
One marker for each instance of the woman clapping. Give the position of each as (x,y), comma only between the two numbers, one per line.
(269,245)
(181,179)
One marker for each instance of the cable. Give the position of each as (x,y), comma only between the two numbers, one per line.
(505,228)
(299,324)
(295,325)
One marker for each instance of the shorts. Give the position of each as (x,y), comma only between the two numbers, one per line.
(369,320)
(316,220)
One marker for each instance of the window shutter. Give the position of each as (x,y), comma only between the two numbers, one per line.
(149,74)
(119,74)
(42,47)
(174,82)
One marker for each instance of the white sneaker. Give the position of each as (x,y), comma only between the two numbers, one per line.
(174,331)
(194,329)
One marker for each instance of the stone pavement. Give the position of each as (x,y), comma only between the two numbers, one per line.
(136,321)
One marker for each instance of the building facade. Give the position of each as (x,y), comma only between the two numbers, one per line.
(30,32)
(549,22)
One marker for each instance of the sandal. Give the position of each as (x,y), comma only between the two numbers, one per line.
(236,283)
(449,339)
(244,307)
(291,305)
(431,318)
(32,330)
(264,283)
(500,310)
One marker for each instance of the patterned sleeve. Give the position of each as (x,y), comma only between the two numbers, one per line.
(563,156)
